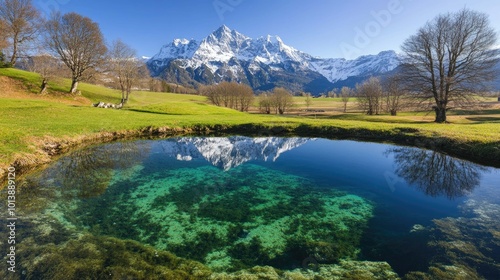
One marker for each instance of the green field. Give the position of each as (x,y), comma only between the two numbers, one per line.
(35,128)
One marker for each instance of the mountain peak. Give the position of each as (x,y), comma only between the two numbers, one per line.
(224,31)
(224,28)
(263,63)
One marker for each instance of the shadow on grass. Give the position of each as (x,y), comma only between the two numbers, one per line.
(153,112)
(475,112)
(484,119)
(378,118)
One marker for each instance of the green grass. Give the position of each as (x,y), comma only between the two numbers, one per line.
(23,120)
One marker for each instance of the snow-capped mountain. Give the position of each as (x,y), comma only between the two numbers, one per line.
(263,63)
(229,152)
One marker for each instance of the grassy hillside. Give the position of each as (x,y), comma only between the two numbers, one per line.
(34,126)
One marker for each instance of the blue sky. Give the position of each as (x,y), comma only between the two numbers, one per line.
(324,28)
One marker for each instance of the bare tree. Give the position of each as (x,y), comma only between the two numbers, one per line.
(158,85)
(21,23)
(78,41)
(229,94)
(209,92)
(331,94)
(265,103)
(246,97)
(3,45)
(281,100)
(47,66)
(124,67)
(308,99)
(220,94)
(395,94)
(345,95)
(451,59)
(369,96)
(3,35)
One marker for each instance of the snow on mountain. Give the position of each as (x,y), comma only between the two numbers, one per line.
(263,62)
(178,49)
(230,152)
(336,69)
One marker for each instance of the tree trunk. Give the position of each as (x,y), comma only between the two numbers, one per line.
(440,114)
(74,86)
(127,95)
(43,87)
(393,112)
(14,52)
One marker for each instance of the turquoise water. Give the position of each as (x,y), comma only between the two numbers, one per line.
(220,208)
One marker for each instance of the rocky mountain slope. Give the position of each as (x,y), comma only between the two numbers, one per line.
(263,63)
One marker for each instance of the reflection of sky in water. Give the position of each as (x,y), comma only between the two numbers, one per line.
(490,187)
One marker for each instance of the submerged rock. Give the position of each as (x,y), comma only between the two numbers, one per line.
(465,243)
(417,228)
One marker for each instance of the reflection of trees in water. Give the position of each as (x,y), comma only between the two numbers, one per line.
(88,172)
(435,173)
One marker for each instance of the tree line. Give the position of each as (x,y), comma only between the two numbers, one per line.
(241,97)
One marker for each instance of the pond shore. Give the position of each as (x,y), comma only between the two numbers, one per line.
(50,148)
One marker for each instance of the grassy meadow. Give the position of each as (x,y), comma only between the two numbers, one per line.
(35,128)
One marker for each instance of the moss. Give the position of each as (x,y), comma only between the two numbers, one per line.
(184,198)
(199,248)
(249,254)
(234,208)
(93,257)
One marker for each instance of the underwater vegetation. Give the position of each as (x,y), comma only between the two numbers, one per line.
(465,247)
(191,223)
(52,251)
(139,211)
(228,220)
(232,220)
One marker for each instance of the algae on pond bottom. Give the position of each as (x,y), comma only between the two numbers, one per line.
(240,218)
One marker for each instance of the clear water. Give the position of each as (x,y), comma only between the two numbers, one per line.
(220,206)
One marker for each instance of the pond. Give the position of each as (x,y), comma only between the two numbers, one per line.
(222,207)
